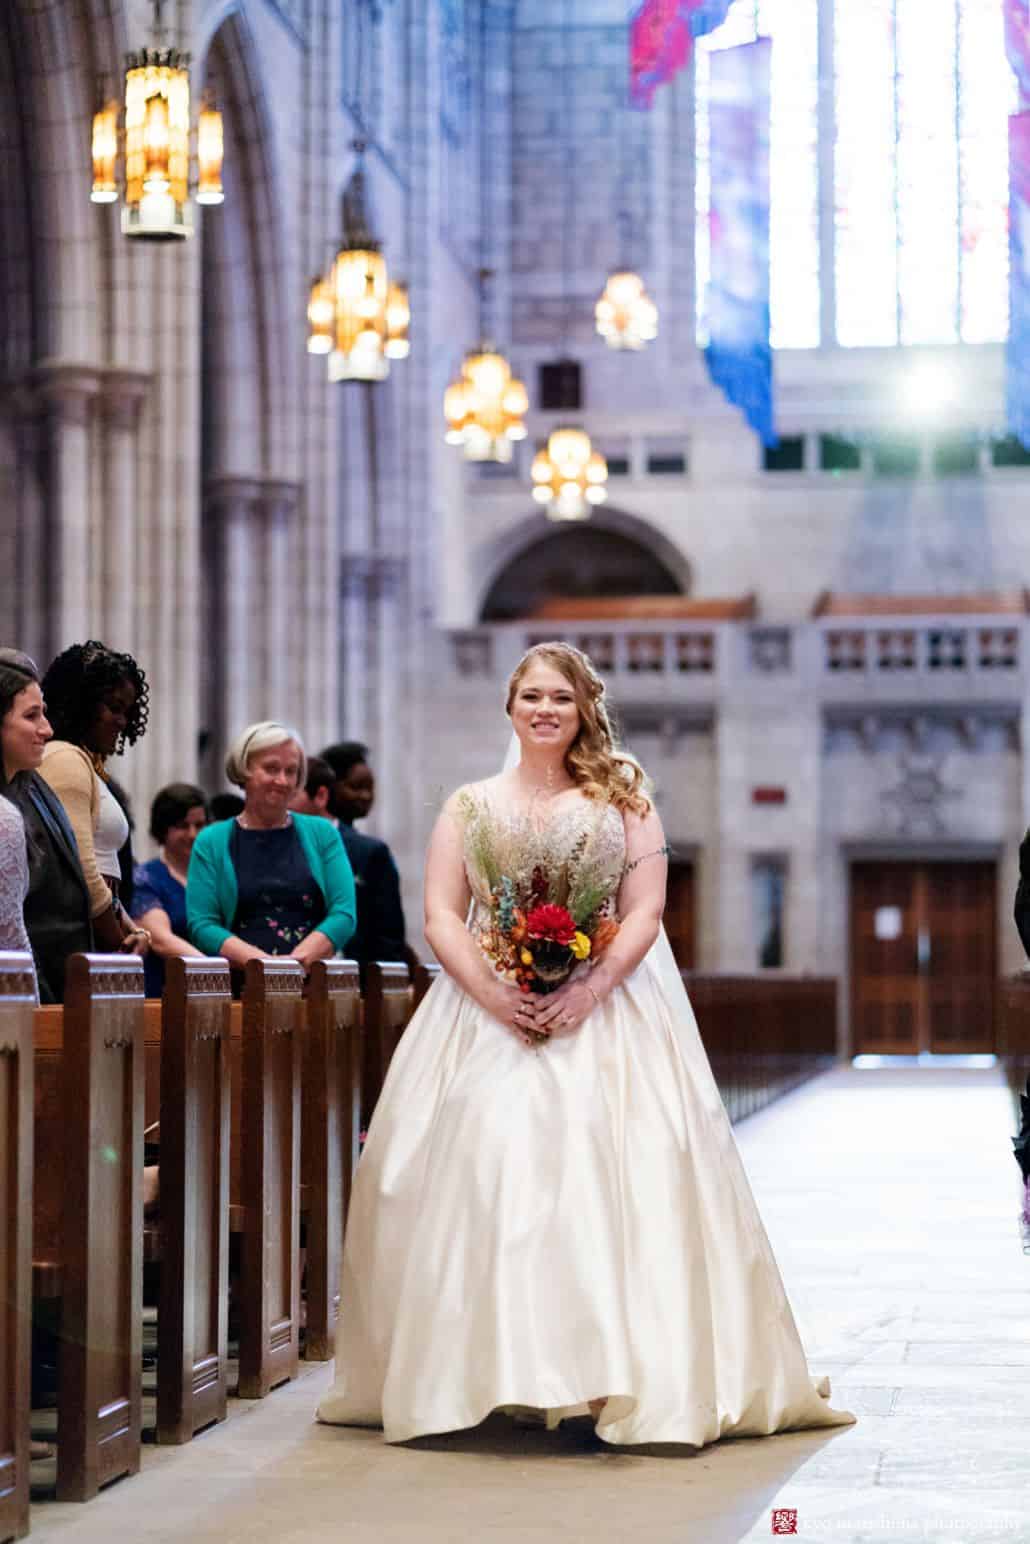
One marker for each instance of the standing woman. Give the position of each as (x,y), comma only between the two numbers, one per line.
(271,881)
(24,731)
(56,909)
(177,815)
(97,703)
(550,1210)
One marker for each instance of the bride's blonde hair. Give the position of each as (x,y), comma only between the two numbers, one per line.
(600,768)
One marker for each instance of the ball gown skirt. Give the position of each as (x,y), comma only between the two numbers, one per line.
(543,1227)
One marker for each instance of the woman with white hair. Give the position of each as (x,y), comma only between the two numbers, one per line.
(269,881)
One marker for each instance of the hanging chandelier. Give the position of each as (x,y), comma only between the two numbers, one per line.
(357,315)
(155,146)
(626,315)
(569,476)
(485,407)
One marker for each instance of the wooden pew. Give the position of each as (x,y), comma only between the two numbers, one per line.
(267,1180)
(422,978)
(88,1214)
(329,1141)
(389,1000)
(192,1325)
(17,1004)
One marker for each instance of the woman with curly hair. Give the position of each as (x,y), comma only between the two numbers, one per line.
(97,703)
(550,1215)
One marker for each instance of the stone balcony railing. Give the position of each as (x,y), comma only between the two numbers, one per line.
(972,660)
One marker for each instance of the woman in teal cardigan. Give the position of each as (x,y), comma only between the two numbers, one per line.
(269,882)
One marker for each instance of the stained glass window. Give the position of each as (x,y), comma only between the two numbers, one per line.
(918,168)
(793,161)
(922,95)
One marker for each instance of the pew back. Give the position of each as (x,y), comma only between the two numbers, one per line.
(389,1001)
(330,1142)
(422,978)
(195,1088)
(17,1003)
(101,1242)
(272,1038)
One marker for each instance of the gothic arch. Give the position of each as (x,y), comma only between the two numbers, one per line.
(615,553)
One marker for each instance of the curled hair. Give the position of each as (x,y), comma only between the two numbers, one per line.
(601,770)
(75,685)
(255,739)
(344,755)
(17,671)
(171,805)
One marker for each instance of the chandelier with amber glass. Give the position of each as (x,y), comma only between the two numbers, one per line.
(154,146)
(569,476)
(485,407)
(357,315)
(626,315)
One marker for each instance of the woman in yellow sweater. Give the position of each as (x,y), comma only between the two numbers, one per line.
(97,703)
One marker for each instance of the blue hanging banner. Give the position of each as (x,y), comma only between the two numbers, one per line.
(1017,348)
(736,307)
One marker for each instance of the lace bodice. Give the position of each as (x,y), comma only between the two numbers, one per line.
(14,878)
(576,848)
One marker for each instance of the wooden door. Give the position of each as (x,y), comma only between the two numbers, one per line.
(923,957)
(680,915)
(961,967)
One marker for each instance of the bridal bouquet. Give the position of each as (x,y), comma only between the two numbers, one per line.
(536,942)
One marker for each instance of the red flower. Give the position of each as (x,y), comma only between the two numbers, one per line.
(551,922)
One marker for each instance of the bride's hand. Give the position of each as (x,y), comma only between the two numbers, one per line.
(518,1010)
(565,1010)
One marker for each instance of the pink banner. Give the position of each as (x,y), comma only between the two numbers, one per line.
(661,37)
(1017,351)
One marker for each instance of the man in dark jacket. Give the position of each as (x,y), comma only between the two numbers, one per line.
(1022,907)
(379,934)
(57,906)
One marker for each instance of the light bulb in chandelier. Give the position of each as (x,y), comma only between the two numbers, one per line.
(485,407)
(569,475)
(626,316)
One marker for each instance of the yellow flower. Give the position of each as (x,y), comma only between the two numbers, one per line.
(580,946)
(526,957)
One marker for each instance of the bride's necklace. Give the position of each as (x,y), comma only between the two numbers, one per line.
(548,789)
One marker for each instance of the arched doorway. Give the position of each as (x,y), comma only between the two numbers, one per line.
(621,557)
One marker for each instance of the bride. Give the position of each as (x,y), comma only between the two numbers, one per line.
(550,1211)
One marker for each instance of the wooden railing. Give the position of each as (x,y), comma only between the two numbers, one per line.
(259,1108)
(764,1035)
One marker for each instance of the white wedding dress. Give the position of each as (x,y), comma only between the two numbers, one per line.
(542,1227)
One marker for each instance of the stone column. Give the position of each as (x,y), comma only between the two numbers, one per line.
(68,392)
(122,393)
(281,689)
(390,745)
(357,647)
(234,645)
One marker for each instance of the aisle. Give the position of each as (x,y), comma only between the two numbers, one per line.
(890,1197)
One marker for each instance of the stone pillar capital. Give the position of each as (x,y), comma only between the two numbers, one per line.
(121,395)
(67,388)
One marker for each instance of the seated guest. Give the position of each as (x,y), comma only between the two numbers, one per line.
(24,731)
(56,909)
(315,797)
(270,882)
(379,934)
(177,815)
(97,702)
(223,806)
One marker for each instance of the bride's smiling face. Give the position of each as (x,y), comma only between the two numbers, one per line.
(543,712)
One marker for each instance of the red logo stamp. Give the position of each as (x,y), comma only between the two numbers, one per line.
(785,1520)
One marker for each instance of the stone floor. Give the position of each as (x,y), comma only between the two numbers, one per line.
(891,1199)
